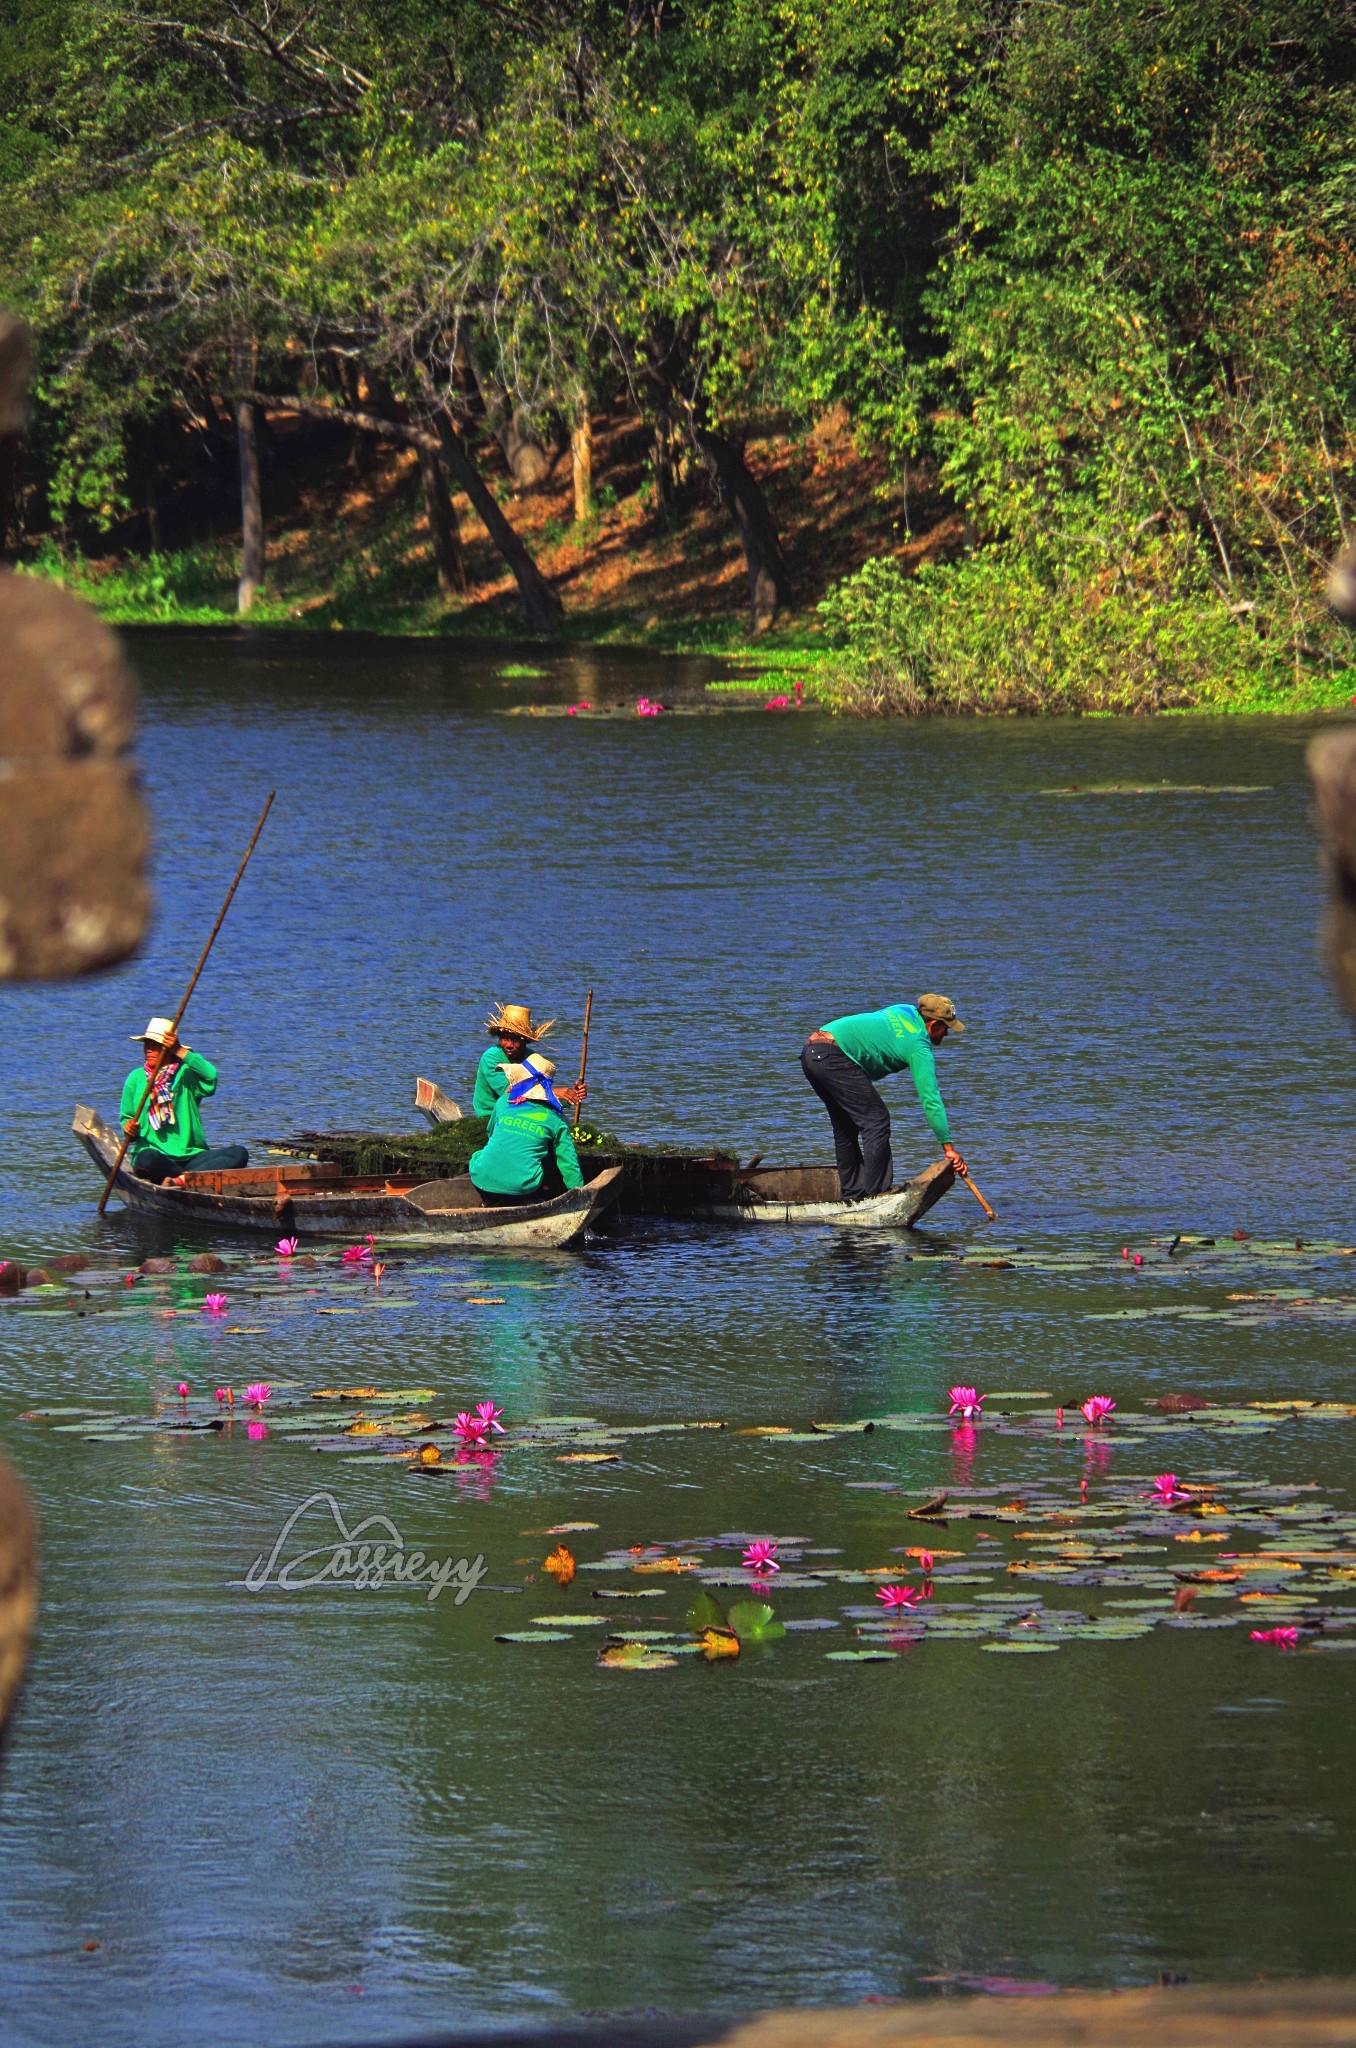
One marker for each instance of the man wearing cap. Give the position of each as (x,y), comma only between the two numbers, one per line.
(841,1062)
(167,1135)
(529,1155)
(511,1027)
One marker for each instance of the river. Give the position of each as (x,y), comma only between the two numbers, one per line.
(353,1814)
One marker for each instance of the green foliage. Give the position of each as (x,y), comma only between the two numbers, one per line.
(1095,267)
(992,633)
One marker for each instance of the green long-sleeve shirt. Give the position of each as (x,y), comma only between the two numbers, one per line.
(194,1080)
(491,1080)
(521,1139)
(885,1042)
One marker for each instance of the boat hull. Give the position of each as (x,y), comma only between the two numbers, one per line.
(809,1194)
(295,1200)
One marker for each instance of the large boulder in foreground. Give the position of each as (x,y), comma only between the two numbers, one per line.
(73,892)
(1332,765)
(18,1586)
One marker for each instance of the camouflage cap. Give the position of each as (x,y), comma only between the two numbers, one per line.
(941,1010)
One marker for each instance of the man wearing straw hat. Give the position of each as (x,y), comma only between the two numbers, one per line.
(511,1027)
(168,1138)
(842,1061)
(529,1155)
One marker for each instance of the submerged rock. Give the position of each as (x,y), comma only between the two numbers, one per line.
(206,1262)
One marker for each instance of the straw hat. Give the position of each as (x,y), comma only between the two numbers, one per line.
(516,1073)
(514,1020)
(156,1032)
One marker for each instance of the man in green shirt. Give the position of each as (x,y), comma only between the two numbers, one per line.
(511,1027)
(841,1062)
(529,1155)
(167,1136)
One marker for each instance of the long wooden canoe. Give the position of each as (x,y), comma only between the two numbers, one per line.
(307,1199)
(810,1194)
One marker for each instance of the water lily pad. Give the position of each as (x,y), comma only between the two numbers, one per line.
(1021,1649)
(534,1635)
(859,1656)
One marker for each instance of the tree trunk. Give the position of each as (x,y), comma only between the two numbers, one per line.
(251,507)
(530,459)
(661,465)
(15,364)
(542,608)
(769,577)
(581,452)
(444,532)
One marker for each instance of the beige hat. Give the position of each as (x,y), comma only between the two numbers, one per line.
(939,1009)
(156,1032)
(537,1065)
(514,1020)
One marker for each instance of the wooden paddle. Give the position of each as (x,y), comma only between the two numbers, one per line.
(178,1015)
(992,1214)
(583,1054)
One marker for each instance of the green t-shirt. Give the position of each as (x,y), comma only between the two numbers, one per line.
(194,1080)
(522,1138)
(491,1080)
(885,1042)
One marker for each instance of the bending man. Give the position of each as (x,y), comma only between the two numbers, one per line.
(168,1138)
(841,1062)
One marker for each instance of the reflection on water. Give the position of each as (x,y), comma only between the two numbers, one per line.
(352,1815)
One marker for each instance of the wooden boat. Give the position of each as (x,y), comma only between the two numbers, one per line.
(309,1199)
(809,1194)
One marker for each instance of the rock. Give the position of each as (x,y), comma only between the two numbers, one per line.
(18,1585)
(37,1276)
(303,1259)
(1332,766)
(156,1266)
(206,1262)
(68,1262)
(73,893)
(11,1277)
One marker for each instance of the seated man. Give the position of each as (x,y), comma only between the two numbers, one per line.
(529,1155)
(167,1137)
(511,1026)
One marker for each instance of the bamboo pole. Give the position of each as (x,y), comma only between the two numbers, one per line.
(989,1212)
(583,1054)
(178,1015)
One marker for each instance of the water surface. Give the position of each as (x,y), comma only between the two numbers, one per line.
(347,1815)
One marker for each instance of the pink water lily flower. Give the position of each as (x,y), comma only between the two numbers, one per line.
(214,1304)
(966,1403)
(925,1562)
(489,1416)
(226,1395)
(354,1254)
(1096,1409)
(761,1557)
(1283,1638)
(472,1429)
(286,1247)
(777,704)
(897,1596)
(257,1393)
(645,709)
(1166,1490)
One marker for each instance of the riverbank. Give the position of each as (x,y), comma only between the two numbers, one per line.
(891,614)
